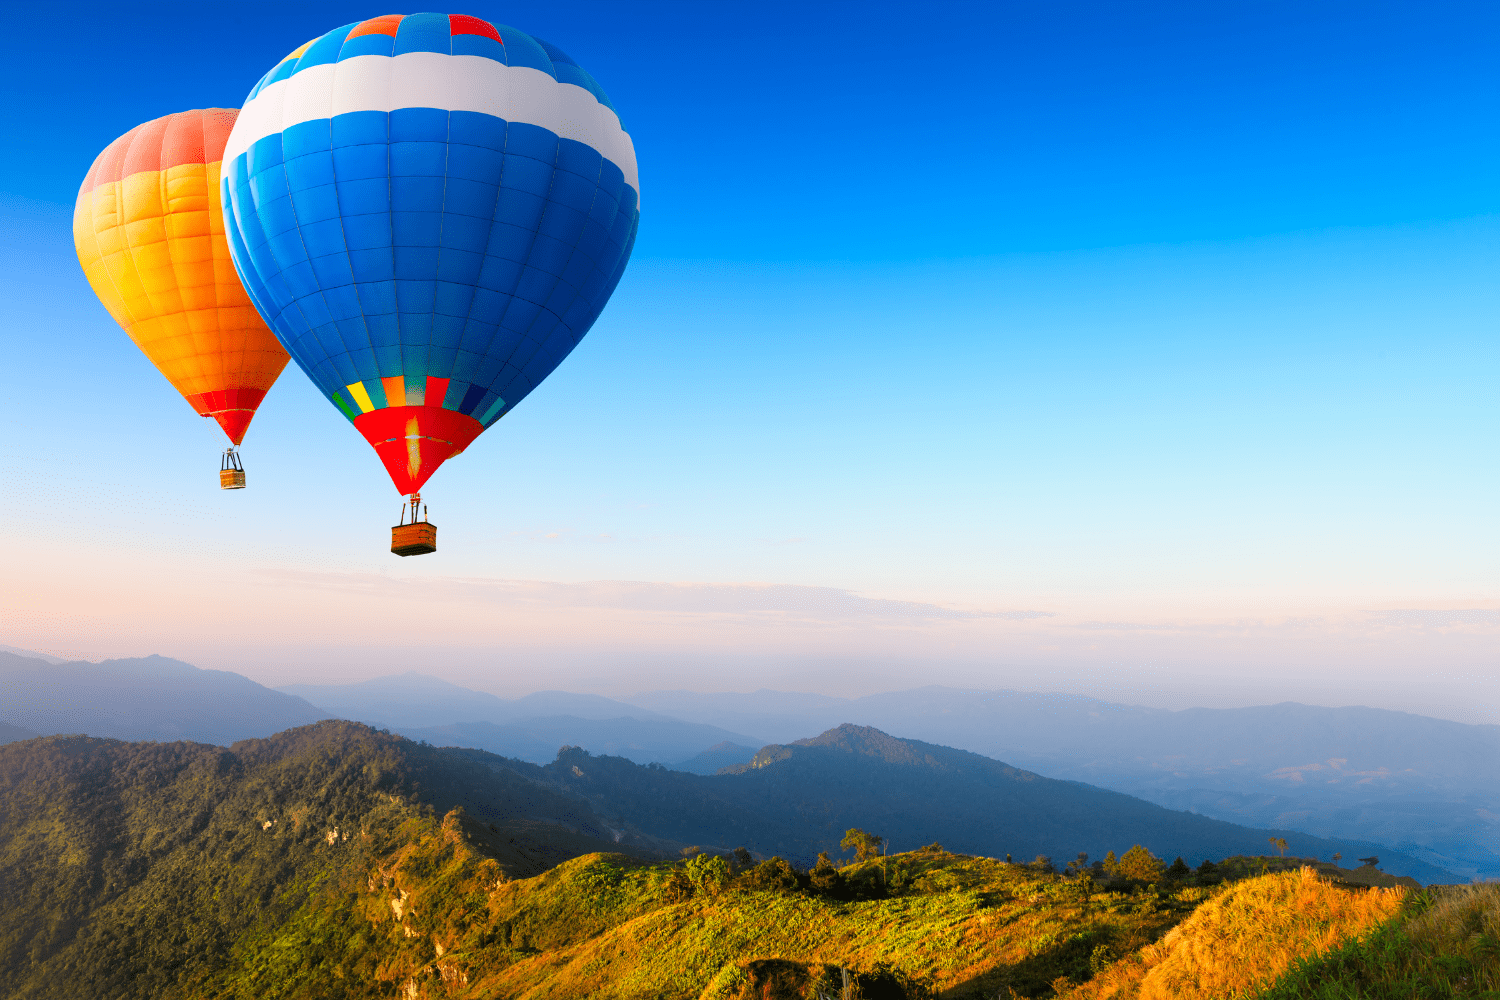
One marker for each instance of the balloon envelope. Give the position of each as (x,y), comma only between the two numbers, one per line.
(149,232)
(430,211)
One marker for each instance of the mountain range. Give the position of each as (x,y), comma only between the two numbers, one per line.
(530,728)
(1430,787)
(150,698)
(1426,787)
(340,862)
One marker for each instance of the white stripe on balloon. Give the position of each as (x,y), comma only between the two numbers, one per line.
(435,80)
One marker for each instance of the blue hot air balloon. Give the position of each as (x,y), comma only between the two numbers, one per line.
(429,211)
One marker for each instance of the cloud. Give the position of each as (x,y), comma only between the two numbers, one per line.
(787,602)
(1436,617)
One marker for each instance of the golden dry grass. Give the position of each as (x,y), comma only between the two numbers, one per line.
(1245,938)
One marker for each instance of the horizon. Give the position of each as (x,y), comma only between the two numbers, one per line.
(623,697)
(1138,354)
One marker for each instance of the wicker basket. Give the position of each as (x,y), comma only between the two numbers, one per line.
(231,479)
(414,539)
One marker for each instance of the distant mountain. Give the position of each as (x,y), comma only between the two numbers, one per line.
(1427,786)
(31,654)
(538,739)
(798,799)
(9,733)
(416,701)
(152,698)
(716,758)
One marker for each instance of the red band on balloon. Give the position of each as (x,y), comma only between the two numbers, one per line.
(412,441)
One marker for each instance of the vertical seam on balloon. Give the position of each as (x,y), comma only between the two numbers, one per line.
(552,180)
(557,279)
(489,238)
(523,368)
(390,211)
(163,182)
(125,231)
(333,171)
(296,303)
(438,271)
(327,388)
(99,247)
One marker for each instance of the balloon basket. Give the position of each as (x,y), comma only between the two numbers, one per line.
(231,472)
(413,537)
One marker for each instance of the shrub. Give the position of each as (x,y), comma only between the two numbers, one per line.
(772,875)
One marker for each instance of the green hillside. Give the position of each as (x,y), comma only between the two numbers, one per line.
(135,869)
(336,861)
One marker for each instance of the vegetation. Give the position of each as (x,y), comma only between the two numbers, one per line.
(1446,945)
(135,869)
(798,800)
(340,863)
(438,919)
(1249,934)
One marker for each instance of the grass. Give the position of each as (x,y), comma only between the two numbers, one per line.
(1447,944)
(439,916)
(611,926)
(1248,935)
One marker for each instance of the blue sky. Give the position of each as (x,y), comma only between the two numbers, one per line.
(1148,336)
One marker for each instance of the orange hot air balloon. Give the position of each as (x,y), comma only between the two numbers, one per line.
(149,231)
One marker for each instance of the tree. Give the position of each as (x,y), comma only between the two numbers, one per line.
(1079,864)
(1139,864)
(825,877)
(1179,869)
(774,874)
(1208,868)
(742,859)
(1111,864)
(1279,843)
(864,845)
(709,873)
(1042,865)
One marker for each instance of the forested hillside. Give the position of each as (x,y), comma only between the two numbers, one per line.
(337,861)
(132,869)
(797,799)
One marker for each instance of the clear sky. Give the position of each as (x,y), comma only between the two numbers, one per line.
(1144,350)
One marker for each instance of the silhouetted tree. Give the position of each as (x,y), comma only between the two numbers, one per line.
(1042,865)
(1079,864)
(774,874)
(1279,843)
(1208,868)
(826,878)
(1179,869)
(864,845)
(742,859)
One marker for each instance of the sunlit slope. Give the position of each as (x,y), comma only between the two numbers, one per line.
(1298,936)
(1247,936)
(1446,945)
(440,920)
